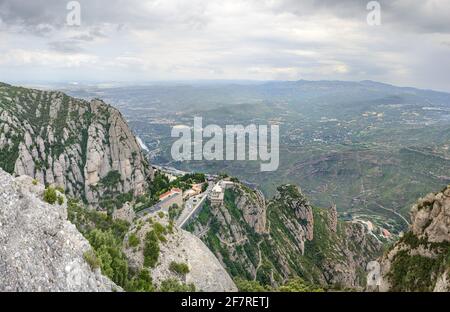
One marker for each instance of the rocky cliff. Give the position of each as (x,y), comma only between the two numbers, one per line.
(297,240)
(204,271)
(84,147)
(420,260)
(39,249)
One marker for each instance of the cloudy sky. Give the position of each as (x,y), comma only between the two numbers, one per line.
(139,41)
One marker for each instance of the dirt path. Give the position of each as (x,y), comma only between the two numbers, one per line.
(231,244)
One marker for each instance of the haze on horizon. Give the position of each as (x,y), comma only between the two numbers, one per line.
(138,41)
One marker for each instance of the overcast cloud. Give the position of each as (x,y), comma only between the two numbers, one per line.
(137,41)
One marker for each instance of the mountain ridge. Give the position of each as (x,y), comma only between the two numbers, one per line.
(85,147)
(275,240)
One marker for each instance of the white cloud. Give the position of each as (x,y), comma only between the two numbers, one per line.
(36,58)
(234,39)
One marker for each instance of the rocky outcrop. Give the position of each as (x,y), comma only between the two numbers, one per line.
(299,214)
(85,147)
(333,218)
(419,261)
(39,249)
(178,246)
(351,251)
(298,240)
(430,217)
(125,213)
(253,209)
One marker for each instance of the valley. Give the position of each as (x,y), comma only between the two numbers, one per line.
(172,227)
(369,148)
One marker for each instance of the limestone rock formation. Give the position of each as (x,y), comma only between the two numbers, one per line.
(430,217)
(420,260)
(298,240)
(333,218)
(85,147)
(253,209)
(39,249)
(302,225)
(179,246)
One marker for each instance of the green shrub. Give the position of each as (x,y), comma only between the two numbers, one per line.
(106,236)
(249,286)
(113,262)
(35,182)
(174,212)
(133,240)
(170,227)
(50,195)
(151,249)
(90,257)
(111,180)
(60,200)
(142,282)
(172,285)
(160,231)
(180,268)
(298,285)
(59,189)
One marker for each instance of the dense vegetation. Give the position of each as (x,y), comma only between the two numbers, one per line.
(112,198)
(151,249)
(292,285)
(106,237)
(413,272)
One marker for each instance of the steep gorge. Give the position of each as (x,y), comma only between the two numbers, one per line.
(285,237)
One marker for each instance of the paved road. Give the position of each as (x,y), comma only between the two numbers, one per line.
(191,206)
(151,209)
(394,212)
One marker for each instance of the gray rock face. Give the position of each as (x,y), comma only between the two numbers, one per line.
(39,249)
(357,247)
(302,226)
(253,209)
(430,217)
(69,143)
(428,240)
(298,239)
(333,218)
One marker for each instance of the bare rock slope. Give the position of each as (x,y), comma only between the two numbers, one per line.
(39,249)
(205,271)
